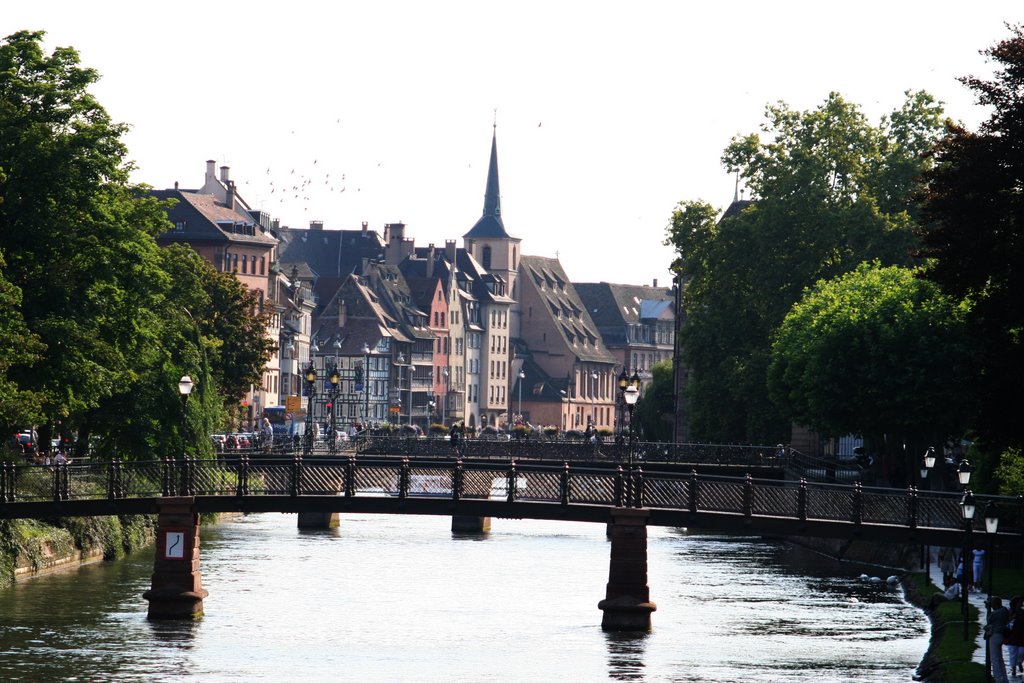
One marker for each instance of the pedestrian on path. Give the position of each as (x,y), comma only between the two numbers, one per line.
(947,563)
(995,630)
(1014,638)
(979,566)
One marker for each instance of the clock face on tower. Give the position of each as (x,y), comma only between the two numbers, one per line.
(174,545)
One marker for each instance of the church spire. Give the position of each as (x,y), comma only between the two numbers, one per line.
(492,196)
(490,223)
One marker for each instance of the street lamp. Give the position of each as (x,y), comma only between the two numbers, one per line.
(335,378)
(630,395)
(444,398)
(967,508)
(927,463)
(522,376)
(623,383)
(991,527)
(185,385)
(963,473)
(593,399)
(310,391)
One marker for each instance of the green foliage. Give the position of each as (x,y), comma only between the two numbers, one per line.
(654,410)
(97,323)
(876,351)
(1010,472)
(830,191)
(973,238)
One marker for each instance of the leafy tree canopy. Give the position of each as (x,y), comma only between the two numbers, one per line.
(99,323)
(876,351)
(973,237)
(829,191)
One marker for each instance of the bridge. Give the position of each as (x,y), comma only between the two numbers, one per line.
(475,485)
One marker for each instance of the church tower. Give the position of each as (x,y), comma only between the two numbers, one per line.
(488,241)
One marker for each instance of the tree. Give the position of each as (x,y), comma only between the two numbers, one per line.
(654,409)
(830,191)
(18,345)
(877,352)
(973,238)
(101,322)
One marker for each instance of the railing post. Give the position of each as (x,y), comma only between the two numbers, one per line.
(457,481)
(350,476)
(243,476)
(114,479)
(188,476)
(638,488)
(858,503)
(801,501)
(563,484)
(694,490)
(403,479)
(6,482)
(619,486)
(169,476)
(748,496)
(297,475)
(512,477)
(912,507)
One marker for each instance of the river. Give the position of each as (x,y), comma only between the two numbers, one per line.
(401,598)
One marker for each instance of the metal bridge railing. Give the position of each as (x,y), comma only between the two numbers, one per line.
(506,480)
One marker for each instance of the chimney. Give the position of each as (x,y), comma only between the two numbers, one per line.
(316,225)
(430,260)
(175,184)
(449,251)
(211,172)
(224,174)
(655,285)
(365,226)
(229,201)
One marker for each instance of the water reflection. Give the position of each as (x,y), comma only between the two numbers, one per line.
(626,655)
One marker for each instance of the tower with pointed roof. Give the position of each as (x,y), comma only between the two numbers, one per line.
(488,242)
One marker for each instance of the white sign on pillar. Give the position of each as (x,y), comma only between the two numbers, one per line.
(174,544)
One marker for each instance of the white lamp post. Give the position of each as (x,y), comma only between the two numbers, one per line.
(185,385)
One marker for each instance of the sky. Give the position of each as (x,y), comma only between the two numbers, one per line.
(608,114)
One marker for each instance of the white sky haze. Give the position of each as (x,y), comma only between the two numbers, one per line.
(608,114)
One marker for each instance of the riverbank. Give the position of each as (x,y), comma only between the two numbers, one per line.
(30,547)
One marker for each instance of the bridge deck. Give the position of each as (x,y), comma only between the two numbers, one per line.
(513,489)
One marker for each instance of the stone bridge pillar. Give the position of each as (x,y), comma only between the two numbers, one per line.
(176,590)
(627,604)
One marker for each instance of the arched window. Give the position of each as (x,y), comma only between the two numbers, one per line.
(486,260)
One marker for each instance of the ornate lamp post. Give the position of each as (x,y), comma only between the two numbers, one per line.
(365,382)
(630,395)
(335,378)
(623,383)
(991,527)
(185,385)
(927,463)
(310,391)
(444,398)
(522,376)
(967,507)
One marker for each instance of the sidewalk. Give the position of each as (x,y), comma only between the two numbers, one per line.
(976,599)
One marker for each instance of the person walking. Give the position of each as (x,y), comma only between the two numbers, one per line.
(1014,638)
(995,630)
(947,564)
(977,568)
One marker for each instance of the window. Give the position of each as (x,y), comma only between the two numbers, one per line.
(263,265)
(442,320)
(252,264)
(486,260)
(179,226)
